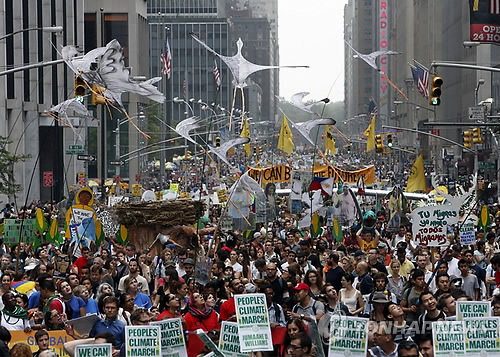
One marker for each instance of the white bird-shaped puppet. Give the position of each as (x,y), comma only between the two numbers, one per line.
(306,127)
(185,126)
(221,151)
(297,100)
(371,58)
(70,104)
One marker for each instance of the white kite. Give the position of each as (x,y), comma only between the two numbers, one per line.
(224,148)
(306,127)
(70,104)
(185,126)
(240,68)
(297,100)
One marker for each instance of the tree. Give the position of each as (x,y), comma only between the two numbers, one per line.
(8,184)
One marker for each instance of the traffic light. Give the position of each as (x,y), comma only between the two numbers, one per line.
(255,150)
(349,148)
(468,139)
(265,142)
(435,95)
(79,88)
(217,142)
(188,155)
(389,140)
(379,143)
(260,150)
(98,95)
(476,136)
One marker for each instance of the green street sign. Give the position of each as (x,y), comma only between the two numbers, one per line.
(487,165)
(75,152)
(75,147)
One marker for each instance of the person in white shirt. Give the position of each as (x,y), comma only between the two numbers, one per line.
(142,283)
(233,262)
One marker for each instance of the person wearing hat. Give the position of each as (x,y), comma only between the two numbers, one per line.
(383,252)
(257,236)
(188,268)
(307,309)
(378,300)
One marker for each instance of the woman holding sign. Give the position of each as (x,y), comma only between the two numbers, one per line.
(199,316)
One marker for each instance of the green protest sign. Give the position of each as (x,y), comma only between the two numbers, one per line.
(253,323)
(229,341)
(472,309)
(97,350)
(448,338)
(172,339)
(142,341)
(13,227)
(482,337)
(348,335)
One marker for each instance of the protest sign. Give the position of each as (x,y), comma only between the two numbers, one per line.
(142,341)
(482,337)
(348,335)
(467,234)
(172,339)
(229,341)
(430,224)
(57,339)
(12,231)
(209,343)
(448,338)
(253,323)
(97,350)
(470,309)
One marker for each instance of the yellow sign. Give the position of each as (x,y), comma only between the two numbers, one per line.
(283,173)
(184,195)
(159,195)
(136,190)
(174,187)
(221,194)
(57,339)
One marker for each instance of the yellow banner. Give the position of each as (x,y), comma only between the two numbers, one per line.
(57,339)
(283,173)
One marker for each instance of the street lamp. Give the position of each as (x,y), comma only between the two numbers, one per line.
(179,100)
(476,90)
(52,29)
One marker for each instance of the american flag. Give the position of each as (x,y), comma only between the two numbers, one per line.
(218,80)
(494,7)
(166,60)
(421,78)
(372,107)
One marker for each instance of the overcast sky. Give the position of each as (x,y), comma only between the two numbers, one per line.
(312,33)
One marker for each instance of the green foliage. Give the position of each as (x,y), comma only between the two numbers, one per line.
(8,184)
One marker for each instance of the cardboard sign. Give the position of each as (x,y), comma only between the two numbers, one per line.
(348,335)
(448,338)
(253,323)
(473,309)
(173,343)
(12,230)
(229,341)
(430,224)
(97,350)
(57,339)
(467,233)
(141,341)
(136,190)
(482,337)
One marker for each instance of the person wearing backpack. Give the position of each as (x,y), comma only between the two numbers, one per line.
(307,309)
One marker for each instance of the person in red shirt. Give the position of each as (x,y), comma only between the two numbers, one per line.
(228,309)
(199,316)
(82,261)
(172,308)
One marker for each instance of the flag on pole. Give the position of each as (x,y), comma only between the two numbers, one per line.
(421,79)
(285,142)
(166,60)
(416,181)
(245,133)
(370,134)
(218,80)
(329,141)
(361,185)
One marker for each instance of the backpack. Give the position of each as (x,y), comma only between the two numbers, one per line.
(277,312)
(296,307)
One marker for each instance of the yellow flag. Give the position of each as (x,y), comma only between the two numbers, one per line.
(285,142)
(370,133)
(416,181)
(245,133)
(330,141)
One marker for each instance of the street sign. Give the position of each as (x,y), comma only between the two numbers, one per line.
(75,152)
(86,157)
(476,113)
(117,163)
(487,165)
(48,179)
(75,147)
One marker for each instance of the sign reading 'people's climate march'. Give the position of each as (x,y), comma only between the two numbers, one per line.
(229,341)
(482,337)
(448,338)
(473,309)
(97,350)
(430,224)
(142,341)
(253,323)
(172,339)
(348,335)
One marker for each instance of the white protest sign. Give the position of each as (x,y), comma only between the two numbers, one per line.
(209,343)
(142,341)
(467,234)
(430,224)
(348,335)
(229,341)
(482,337)
(172,339)
(79,214)
(97,350)
(253,323)
(448,338)
(473,309)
